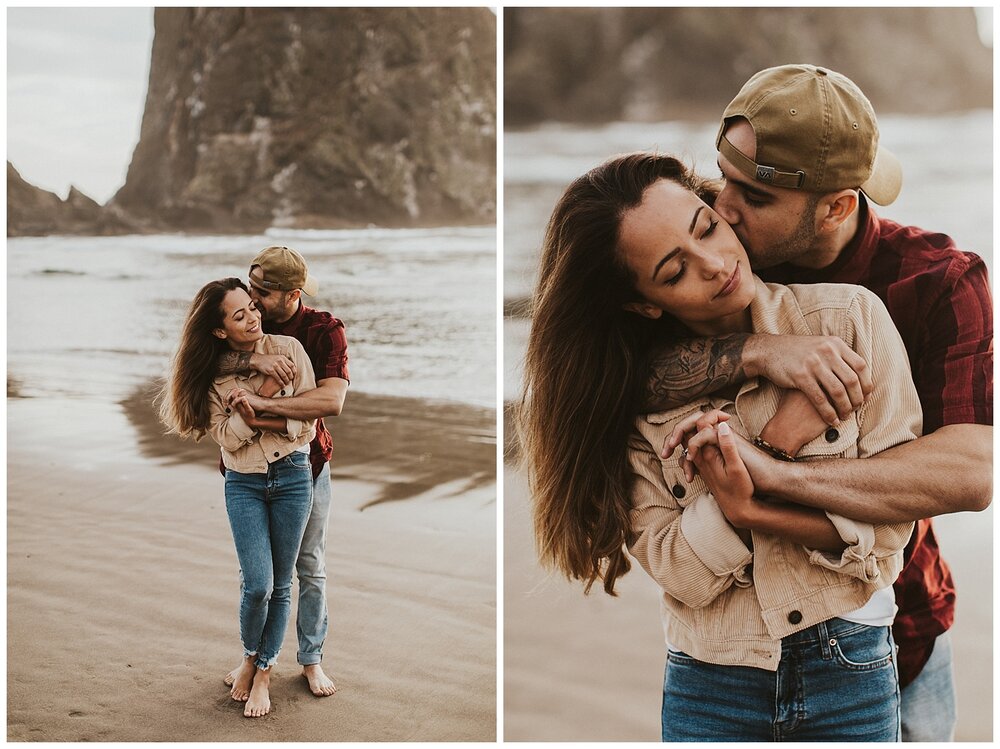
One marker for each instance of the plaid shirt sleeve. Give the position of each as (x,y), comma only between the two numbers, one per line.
(955,372)
(328,350)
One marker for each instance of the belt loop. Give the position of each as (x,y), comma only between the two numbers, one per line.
(824,641)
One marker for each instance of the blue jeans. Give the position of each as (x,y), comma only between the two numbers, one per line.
(835,681)
(929,700)
(267,514)
(311,621)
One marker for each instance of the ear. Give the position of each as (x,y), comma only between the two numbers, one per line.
(644,309)
(219,333)
(835,208)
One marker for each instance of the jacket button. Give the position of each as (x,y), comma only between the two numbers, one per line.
(679,491)
(229,410)
(276,455)
(832,435)
(282,392)
(795,616)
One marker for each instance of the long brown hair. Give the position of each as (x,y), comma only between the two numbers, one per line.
(184,405)
(585,367)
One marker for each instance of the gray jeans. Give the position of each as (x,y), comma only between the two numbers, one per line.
(311,621)
(928,702)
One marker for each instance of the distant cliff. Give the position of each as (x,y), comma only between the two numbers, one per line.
(605,64)
(314,118)
(32,211)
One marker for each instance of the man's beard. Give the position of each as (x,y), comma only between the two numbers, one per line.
(799,243)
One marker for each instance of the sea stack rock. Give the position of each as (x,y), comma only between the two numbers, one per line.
(316,118)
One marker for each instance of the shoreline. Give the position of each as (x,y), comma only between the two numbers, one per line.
(408,445)
(123,582)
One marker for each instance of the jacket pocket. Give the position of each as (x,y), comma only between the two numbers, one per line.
(840,441)
(683,492)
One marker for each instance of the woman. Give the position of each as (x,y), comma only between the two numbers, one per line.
(268,479)
(776,615)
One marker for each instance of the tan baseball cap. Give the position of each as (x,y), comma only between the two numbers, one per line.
(815,131)
(283,269)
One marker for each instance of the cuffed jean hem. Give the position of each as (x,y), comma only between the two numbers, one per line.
(309,659)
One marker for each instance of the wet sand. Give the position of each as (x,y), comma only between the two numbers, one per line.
(123,582)
(590,668)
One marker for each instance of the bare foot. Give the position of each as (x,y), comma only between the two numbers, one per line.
(243,678)
(260,696)
(232,675)
(319,683)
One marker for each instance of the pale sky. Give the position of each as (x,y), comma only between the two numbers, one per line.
(76,88)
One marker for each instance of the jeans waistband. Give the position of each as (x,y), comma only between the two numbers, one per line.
(822,632)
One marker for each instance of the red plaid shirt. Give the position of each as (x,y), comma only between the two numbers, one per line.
(322,336)
(939,299)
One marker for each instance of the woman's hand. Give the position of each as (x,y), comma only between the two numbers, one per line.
(795,423)
(237,398)
(720,465)
(686,434)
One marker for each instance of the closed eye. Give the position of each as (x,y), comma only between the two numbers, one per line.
(710,230)
(677,276)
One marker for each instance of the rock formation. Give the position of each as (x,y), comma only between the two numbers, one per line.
(32,211)
(604,64)
(312,117)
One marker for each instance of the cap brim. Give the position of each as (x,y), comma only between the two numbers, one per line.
(310,286)
(887,178)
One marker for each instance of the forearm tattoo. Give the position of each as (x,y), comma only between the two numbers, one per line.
(233,362)
(690,369)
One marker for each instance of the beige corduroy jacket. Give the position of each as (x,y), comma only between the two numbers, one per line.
(721,602)
(249,450)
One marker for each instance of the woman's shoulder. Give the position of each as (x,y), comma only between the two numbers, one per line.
(272,343)
(811,309)
(809,296)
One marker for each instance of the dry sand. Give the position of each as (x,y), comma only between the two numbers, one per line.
(590,668)
(123,582)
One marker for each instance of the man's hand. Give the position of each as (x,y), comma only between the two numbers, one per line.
(834,378)
(278,366)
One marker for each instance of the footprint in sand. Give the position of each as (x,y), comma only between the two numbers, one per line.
(76,713)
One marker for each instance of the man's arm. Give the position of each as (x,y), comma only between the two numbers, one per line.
(326,399)
(281,368)
(687,370)
(833,377)
(950,470)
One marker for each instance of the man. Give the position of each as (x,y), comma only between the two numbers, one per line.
(278,277)
(800,159)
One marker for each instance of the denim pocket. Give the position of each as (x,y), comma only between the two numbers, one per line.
(298,459)
(867,649)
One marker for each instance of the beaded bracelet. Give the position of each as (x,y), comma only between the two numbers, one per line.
(774,452)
